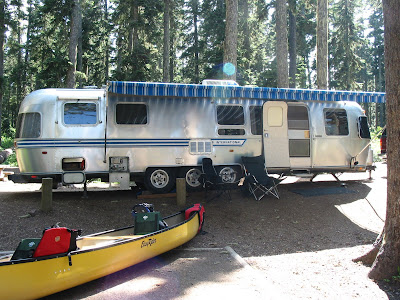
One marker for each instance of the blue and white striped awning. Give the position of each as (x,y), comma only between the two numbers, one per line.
(265,93)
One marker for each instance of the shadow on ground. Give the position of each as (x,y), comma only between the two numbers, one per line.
(293,223)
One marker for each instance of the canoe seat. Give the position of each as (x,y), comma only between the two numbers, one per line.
(56,241)
(25,249)
(147,222)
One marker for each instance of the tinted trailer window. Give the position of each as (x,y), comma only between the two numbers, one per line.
(131,114)
(336,122)
(230,115)
(28,125)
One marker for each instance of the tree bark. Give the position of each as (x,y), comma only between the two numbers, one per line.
(133,38)
(79,63)
(387,260)
(27,42)
(230,45)
(172,35)
(119,55)
(369,257)
(2,33)
(135,18)
(195,9)
(281,44)
(107,52)
(18,79)
(76,30)
(166,41)
(292,44)
(322,44)
(246,37)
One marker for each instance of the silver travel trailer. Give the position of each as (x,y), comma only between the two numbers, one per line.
(155,132)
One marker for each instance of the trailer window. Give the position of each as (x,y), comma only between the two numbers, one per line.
(200,147)
(256,121)
(297,117)
(28,125)
(336,122)
(231,131)
(363,129)
(299,148)
(275,116)
(131,113)
(230,115)
(80,113)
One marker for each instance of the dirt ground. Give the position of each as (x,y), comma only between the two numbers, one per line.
(302,245)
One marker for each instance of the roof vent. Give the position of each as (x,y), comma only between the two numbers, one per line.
(220,82)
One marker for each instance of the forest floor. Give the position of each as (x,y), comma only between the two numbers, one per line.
(298,247)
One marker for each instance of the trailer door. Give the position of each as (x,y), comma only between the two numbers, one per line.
(299,137)
(275,135)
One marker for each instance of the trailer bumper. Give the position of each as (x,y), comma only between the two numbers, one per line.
(20,178)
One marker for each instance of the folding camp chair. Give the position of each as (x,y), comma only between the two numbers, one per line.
(257,178)
(210,178)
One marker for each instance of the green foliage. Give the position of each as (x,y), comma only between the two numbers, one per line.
(7,130)
(8,143)
(212,35)
(139,40)
(376,46)
(345,61)
(376,134)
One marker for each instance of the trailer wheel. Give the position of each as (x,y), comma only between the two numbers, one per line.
(159,180)
(228,174)
(192,177)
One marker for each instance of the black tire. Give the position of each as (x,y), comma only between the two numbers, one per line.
(159,180)
(229,174)
(192,178)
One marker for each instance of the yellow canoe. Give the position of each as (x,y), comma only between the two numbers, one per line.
(99,254)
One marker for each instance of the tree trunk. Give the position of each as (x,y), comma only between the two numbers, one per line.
(195,9)
(79,64)
(26,81)
(387,260)
(370,256)
(230,45)
(76,30)
(135,18)
(119,55)
(133,38)
(322,44)
(2,33)
(172,43)
(292,44)
(166,45)
(246,37)
(18,79)
(281,44)
(107,51)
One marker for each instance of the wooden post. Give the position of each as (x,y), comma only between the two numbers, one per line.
(181,191)
(47,194)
